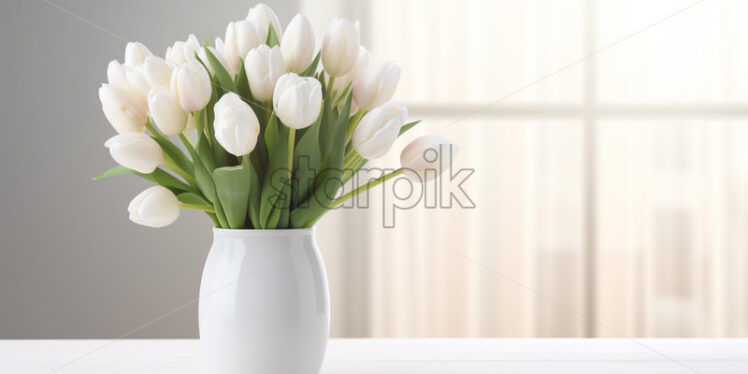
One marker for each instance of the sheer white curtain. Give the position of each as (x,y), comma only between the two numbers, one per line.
(612,196)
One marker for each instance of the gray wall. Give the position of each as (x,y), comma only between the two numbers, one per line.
(71,263)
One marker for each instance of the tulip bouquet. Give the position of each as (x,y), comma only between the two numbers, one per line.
(268,135)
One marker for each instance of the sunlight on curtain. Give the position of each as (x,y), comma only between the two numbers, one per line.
(612,197)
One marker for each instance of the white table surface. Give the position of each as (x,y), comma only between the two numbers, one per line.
(388,356)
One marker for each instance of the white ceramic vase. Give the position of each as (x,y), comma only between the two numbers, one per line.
(264,302)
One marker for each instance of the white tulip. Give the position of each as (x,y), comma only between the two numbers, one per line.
(139,86)
(191,85)
(124,112)
(379,129)
(297,100)
(376,84)
(136,151)
(298,44)
(264,65)
(204,57)
(182,51)
(169,117)
(136,53)
(428,156)
(362,62)
(116,75)
(262,16)
(220,45)
(157,206)
(128,78)
(241,36)
(157,72)
(236,125)
(340,47)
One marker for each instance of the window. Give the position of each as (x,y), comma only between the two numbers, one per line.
(612,191)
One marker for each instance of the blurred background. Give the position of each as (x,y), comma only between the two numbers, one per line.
(609,141)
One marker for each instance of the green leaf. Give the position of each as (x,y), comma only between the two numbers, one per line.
(175,154)
(197,199)
(158,176)
(117,170)
(276,187)
(192,198)
(242,83)
(344,94)
(326,130)
(232,187)
(203,178)
(307,158)
(259,155)
(167,180)
(205,154)
(213,218)
(312,68)
(272,39)
(211,152)
(408,126)
(329,178)
(221,157)
(222,77)
(255,187)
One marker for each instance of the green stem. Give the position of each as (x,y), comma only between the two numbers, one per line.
(187,143)
(352,160)
(169,163)
(348,174)
(367,186)
(200,126)
(189,138)
(205,208)
(330,89)
(342,95)
(353,123)
(291,143)
(153,130)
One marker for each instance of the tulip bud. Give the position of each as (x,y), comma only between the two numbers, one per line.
(362,62)
(428,156)
(298,44)
(262,16)
(340,47)
(121,110)
(139,86)
(116,75)
(297,100)
(220,45)
(191,85)
(379,129)
(157,72)
(236,125)
(204,57)
(136,53)
(376,84)
(264,65)
(128,78)
(136,151)
(241,36)
(157,206)
(182,52)
(169,117)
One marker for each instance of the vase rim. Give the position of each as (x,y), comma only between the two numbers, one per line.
(264,232)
